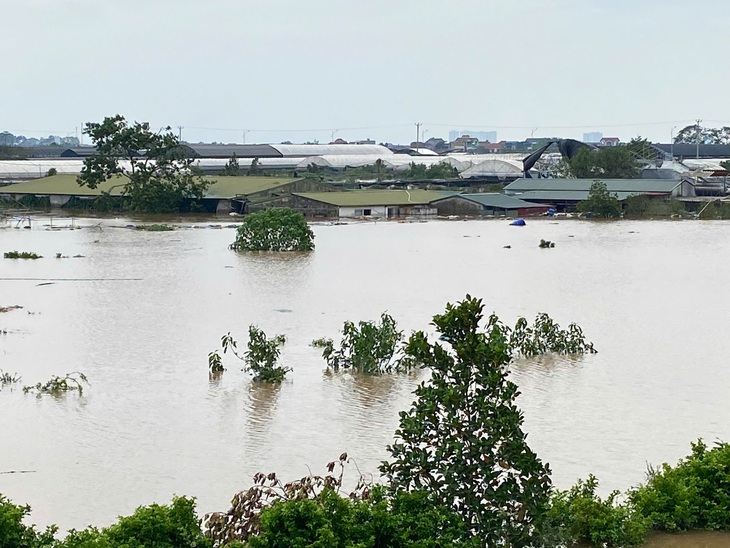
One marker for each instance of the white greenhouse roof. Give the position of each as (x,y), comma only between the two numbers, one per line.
(495,168)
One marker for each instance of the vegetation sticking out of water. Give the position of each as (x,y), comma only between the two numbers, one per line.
(155,228)
(459,471)
(71,382)
(21,255)
(261,359)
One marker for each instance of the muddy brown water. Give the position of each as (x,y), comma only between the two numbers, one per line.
(139,312)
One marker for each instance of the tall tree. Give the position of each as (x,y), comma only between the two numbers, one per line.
(158,176)
(462,439)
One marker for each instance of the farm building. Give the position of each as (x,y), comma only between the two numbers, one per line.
(224,194)
(564,194)
(383,204)
(491,203)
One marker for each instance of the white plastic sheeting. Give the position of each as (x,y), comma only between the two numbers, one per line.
(397,162)
(494,168)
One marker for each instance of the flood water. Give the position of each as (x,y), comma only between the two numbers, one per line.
(140,311)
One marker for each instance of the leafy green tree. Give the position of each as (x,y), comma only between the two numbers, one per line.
(462,439)
(158,176)
(231,169)
(275,229)
(366,347)
(725,164)
(600,202)
(607,162)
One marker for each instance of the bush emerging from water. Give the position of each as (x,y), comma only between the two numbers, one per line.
(21,255)
(275,229)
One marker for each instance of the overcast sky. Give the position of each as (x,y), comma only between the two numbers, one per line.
(302,70)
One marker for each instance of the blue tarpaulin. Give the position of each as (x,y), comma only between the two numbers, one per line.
(518,222)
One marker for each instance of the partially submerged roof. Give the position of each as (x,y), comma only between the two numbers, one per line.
(497,200)
(363,198)
(229,187)
(66,185)
(521,186)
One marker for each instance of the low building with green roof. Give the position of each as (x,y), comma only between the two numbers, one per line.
(384,204)
(488,203)
(223,195)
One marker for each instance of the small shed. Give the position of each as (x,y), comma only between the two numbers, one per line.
(492,203)
(383,204)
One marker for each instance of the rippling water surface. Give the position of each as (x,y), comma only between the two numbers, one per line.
(141,310)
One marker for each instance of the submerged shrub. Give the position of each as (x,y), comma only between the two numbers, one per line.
(365,347)
(21,255)
(261,358)
(275,229)
(71,382)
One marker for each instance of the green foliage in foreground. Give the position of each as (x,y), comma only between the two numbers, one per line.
(15,534)
(160,526)
(21,255)
(579,515)
(275,229)
(408,520)
(694,494)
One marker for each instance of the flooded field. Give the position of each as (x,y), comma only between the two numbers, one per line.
(140,311)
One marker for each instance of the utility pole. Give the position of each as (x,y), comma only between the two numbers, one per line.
(245,131)
(179,133)
(698,137)
(418,133)
(671,140)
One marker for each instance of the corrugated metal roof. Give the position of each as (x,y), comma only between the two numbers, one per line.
(66,185)
(228,187)
(323,150)
(498,200)
(613,185)
(362,198)
(227,151)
